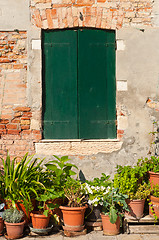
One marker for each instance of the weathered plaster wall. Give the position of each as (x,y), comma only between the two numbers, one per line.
(14,14)
(137,74)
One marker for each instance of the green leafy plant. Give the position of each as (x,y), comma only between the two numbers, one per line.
(13,215)
(128,178)
(59,170)
(142,192)
(20,181)
(74,192)
(114,203)
(155,191)
(44,202)
(151,164)
(96,188)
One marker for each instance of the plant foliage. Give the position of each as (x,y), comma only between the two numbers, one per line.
(13,215)
(127,179)
(96,189)
(74,192)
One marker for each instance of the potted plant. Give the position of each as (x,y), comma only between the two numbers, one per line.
(113,205)
(130,181)
(14,222)
(154,202)
(20,182)
(41,218)
(59,170)
(73,213)
(136,201)
(151,166)
(95,190)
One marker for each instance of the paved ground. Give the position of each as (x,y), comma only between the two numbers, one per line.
(94,235)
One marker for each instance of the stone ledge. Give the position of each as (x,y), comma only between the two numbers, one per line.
(76,147)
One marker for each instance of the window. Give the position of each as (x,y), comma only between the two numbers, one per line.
(79,84)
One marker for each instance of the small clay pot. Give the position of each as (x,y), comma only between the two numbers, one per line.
(14,230)
(73,217)
(154,203)
(39,221)
(108,227)
(136,208)
(153,178)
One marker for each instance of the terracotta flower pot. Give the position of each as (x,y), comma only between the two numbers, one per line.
(39,221)
(154,204)
(1,225)
(14,230)
(136,208)
(153,178)
(73,217)
(108,227)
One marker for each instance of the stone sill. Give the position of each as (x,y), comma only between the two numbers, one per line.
(77,146)
(78,140)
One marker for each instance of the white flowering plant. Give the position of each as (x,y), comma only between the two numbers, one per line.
(97,189)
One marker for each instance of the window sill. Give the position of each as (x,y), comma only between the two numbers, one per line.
(78,140)
(77,146)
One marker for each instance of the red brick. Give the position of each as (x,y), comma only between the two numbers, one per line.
(11,126)
(18,114)
(13,132)
(26,132)
(5,60)
(53,13)
(62,5)
(22,109)
(15,120)
(11,137)
(3,131)
(25,118)
(18,66)
(25,127)
(6,116)
(120,131)
(49,18)
(2,126)
(36,131)
(38,18)
(37,137)
(27,114)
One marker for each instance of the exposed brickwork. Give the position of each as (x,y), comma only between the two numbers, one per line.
(15,118)
(107,14)
(16,135)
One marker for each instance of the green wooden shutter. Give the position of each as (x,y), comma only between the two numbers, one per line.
(96,84)
(79,84)
(60,84)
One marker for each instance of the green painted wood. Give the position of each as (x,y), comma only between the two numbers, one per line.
(79,95)
(96,84)
(60,84)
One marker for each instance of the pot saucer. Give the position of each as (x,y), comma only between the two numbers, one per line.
(44,231)
(9,238)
